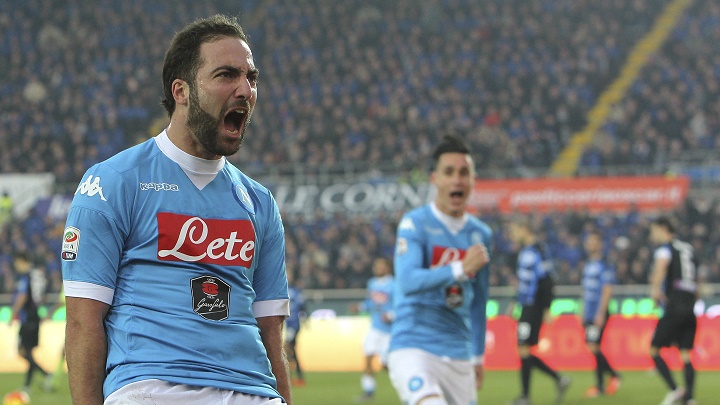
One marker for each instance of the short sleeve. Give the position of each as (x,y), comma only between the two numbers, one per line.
(94,233)
(270,279)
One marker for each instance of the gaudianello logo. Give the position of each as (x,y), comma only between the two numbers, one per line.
(90,187)
(159,187)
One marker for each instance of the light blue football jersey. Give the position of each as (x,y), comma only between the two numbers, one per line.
(186,268)
(433,311)
(596,275)
(379,301)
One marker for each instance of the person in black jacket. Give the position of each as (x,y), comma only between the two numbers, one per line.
(25,309)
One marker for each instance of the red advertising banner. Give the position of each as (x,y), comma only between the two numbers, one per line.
(626,343)
(594,193)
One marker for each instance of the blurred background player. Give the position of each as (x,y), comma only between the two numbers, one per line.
(441,289)
(59,376)
(674,286)
(293,323)
(378,304)
(597,282)
(29,290)
(535,294)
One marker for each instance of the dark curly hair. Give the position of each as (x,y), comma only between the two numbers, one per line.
(182,59)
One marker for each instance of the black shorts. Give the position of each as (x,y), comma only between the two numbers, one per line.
(29,335)
(531,317)
(594,334)
(528,328)
(676,327)
(545,294)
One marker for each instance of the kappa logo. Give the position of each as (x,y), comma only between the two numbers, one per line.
(90,187)
(158,186)
(433,231)
(407,224)
(70,243)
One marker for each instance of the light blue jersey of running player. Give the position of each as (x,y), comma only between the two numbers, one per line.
(188,252)
(596,275)
(534,263)
(379,302)
(434,311)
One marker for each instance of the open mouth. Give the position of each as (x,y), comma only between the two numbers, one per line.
(234,121)
(456,194)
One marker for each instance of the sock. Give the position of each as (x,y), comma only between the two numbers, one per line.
(689,373)
(536,362)
(367,382)
(28,376)
(32,366)
(606,365)
(664,371)
(525,367)
(599,370)
(298,369)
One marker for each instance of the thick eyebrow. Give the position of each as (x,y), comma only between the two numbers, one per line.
(234,70)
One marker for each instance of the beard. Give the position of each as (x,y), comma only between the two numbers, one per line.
(205,129)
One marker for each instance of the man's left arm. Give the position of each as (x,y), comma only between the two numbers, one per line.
(271,333)
(20,301)
(660,268)
(478,314)
(607,279)
(271,305)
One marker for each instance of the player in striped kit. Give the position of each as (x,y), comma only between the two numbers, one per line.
(535,292)
(597,282)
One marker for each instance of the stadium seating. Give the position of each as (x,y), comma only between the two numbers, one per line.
(372,84)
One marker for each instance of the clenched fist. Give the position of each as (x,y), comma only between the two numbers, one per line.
(475,258)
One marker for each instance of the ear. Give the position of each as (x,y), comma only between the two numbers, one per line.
(181,92)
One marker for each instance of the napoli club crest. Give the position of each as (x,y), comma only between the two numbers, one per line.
(210,297)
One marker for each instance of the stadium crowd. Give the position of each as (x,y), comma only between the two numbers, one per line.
(343,82)
(674,106)
(371,84)
(337,251)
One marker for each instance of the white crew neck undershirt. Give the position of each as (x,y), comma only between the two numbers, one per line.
(454,225)
(200,171)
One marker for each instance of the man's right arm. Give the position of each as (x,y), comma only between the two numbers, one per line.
(410,271)
(660,268)
(86,349)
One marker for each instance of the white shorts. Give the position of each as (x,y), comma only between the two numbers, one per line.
(417,374)
(158,392)
(376,344)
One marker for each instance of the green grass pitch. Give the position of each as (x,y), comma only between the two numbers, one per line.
(638,388)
